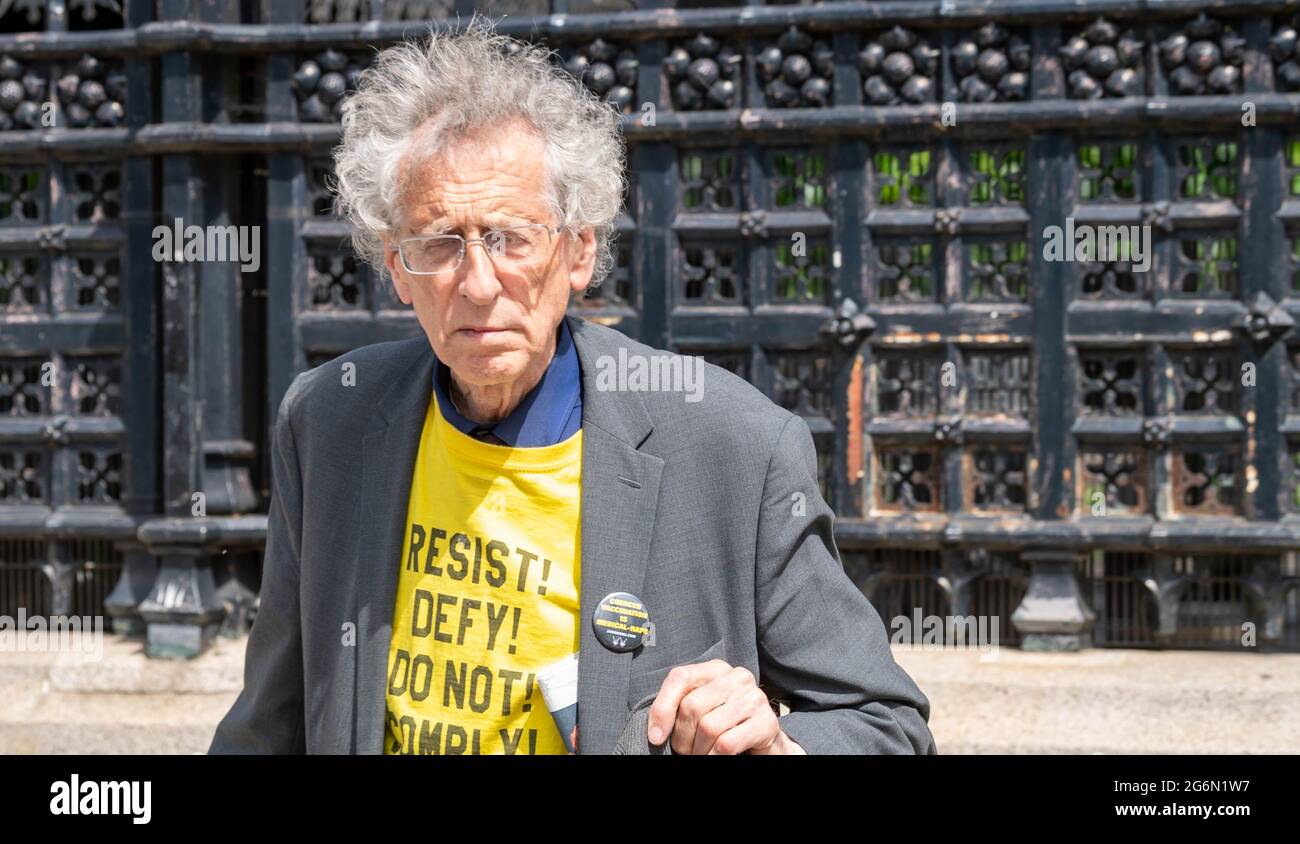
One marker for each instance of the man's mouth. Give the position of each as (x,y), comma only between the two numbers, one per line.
(482,332)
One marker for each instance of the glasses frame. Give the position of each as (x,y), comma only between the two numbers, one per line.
(466,241)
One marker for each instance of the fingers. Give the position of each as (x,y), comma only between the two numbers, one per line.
(680,682)
(755,734)
(723,721)
(737,724)
(712,709)
(707,701)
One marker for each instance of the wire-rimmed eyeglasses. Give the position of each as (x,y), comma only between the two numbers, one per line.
(511,248)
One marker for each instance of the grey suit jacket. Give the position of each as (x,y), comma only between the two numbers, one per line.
(691,506)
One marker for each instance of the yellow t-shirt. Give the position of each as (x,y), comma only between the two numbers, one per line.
(488,594)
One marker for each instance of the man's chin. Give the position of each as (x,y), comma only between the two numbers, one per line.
(487,369)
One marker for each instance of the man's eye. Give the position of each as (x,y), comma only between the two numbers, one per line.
(507,240)
(437,249)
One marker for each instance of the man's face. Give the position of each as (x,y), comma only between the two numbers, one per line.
(488,325)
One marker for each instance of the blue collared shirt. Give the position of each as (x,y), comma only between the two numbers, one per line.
(549,414)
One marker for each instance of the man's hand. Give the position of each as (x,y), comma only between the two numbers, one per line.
(716,709)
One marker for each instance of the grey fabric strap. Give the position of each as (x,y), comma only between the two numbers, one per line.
(633,741)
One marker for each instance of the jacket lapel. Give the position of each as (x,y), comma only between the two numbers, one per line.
(388,462)
(620,495)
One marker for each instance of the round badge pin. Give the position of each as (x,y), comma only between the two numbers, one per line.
(621,621)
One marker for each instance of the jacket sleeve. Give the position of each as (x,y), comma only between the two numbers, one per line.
(820,640)
(268,715)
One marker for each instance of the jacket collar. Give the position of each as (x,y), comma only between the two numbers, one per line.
(622,415)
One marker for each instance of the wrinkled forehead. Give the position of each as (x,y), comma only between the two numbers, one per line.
(486,176)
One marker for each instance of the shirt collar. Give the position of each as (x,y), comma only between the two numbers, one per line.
(549,414)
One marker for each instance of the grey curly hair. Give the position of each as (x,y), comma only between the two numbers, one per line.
(426,93)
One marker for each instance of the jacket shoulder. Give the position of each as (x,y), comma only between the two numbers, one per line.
(721,401)
(333,388)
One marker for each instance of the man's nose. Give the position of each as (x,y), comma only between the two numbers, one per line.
(480,283)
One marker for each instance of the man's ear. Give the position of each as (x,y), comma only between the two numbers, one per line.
(583,261)
(394,265)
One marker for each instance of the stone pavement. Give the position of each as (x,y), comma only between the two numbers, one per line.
(1097,701)
(1109,701)
(123,703)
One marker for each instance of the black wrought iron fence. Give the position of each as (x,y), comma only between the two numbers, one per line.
(871,210)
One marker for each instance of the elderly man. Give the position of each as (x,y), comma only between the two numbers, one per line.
(459,519)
